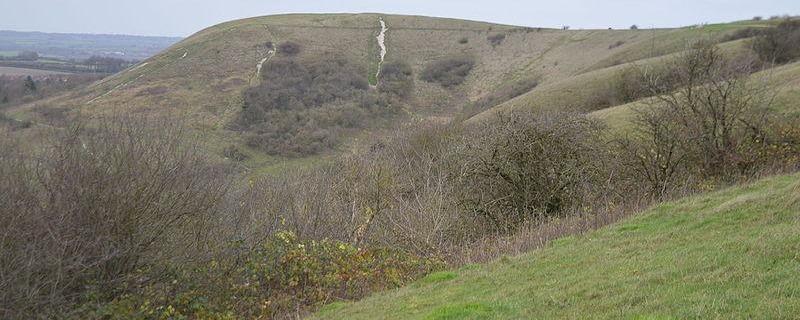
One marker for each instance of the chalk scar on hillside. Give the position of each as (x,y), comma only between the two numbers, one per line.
(270,54)
(382,44)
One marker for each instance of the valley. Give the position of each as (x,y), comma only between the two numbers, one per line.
(363,166)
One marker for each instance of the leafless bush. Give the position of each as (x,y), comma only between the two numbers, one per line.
(448,72)
(709,127)
(96,205)
(521,168)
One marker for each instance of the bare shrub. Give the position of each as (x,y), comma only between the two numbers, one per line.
(522,167)
(448,72)
(96,205)
(710,126)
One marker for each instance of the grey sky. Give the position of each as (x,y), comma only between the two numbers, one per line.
(184,17)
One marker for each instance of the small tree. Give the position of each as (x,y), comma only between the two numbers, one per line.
(634,27)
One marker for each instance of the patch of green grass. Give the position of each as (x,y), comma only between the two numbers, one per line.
(460,311)
(438,277)
(728,254)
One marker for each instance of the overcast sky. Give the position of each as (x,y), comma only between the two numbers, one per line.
(184,17)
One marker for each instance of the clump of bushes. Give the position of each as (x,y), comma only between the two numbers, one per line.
(289,48)
(712,127)
(496,39)
(282,277)
(95,206)
(780,44)
(523,168)
(397,79)
(448,72)
(303,108)
(463,40)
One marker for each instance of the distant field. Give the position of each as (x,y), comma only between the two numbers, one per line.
(11,71)
(82,46)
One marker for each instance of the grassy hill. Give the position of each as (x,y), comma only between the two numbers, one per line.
(729,254)
(201,79)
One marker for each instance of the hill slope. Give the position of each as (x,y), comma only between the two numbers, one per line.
(202,78)
(729,254)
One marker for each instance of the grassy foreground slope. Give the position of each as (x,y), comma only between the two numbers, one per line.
(728,254)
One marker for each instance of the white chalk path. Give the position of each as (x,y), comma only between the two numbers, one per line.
(382,44)
(270,54)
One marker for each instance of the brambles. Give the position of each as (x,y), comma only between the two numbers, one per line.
(448,72)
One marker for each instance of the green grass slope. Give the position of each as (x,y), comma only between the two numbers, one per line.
(725,255)
(783,80)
